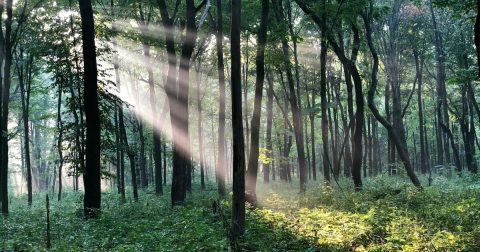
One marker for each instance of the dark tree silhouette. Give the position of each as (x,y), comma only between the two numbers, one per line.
(91,178)
(238,201)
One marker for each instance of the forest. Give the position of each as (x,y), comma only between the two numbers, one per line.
(239,125)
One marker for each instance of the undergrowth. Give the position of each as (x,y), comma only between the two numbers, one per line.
(389,215)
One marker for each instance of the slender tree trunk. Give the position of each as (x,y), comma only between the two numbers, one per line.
(245,99)
(156,134)
(130,153)
(200,134)
(427,151)
(117,161)
(333,125)
(142,158)
(221,162)
(376,149)
(312,141)
(3,169)
(456,154)
(421,121)
(370,146)
(60,140)
(238,200)
(477,35)
(472,138)
(25,97)
(388,114)
(251,174)
(164,146)
(267,168)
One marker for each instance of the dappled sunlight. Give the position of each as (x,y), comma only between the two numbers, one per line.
(334,222)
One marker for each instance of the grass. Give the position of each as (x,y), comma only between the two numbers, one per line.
(389,215)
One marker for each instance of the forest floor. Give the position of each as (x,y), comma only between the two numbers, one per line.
(389,215)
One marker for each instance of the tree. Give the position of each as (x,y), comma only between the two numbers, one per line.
(6,45)
(367,17)
(477,36)
(267,168)
(221,162)
(238,199)
(421,121)
(392,61)
(25,83)
(145,19)
(92,198)
(323,97)
(177,89)
(251,175)
(293,99)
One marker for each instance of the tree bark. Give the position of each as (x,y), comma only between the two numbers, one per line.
(221,162)
(324,104)
(59,140)
(25,89)
(200,134)
(238,199)
(91,176)
(421,120)
(252,171)
(477,36)
(269,146)
(312,141)
(130,152)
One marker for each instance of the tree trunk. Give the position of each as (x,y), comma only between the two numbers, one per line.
(130,153)
(477,35)
(359,115)
(164,146)
(472,137)
(421,121)
(221,162)
(324,104)
(200,133)
(238,200)
(177,89)
(312,141)
(25,89)
(60,140)
(456,154)
(251,174)
(157,153)
(91,175)
(269,145)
